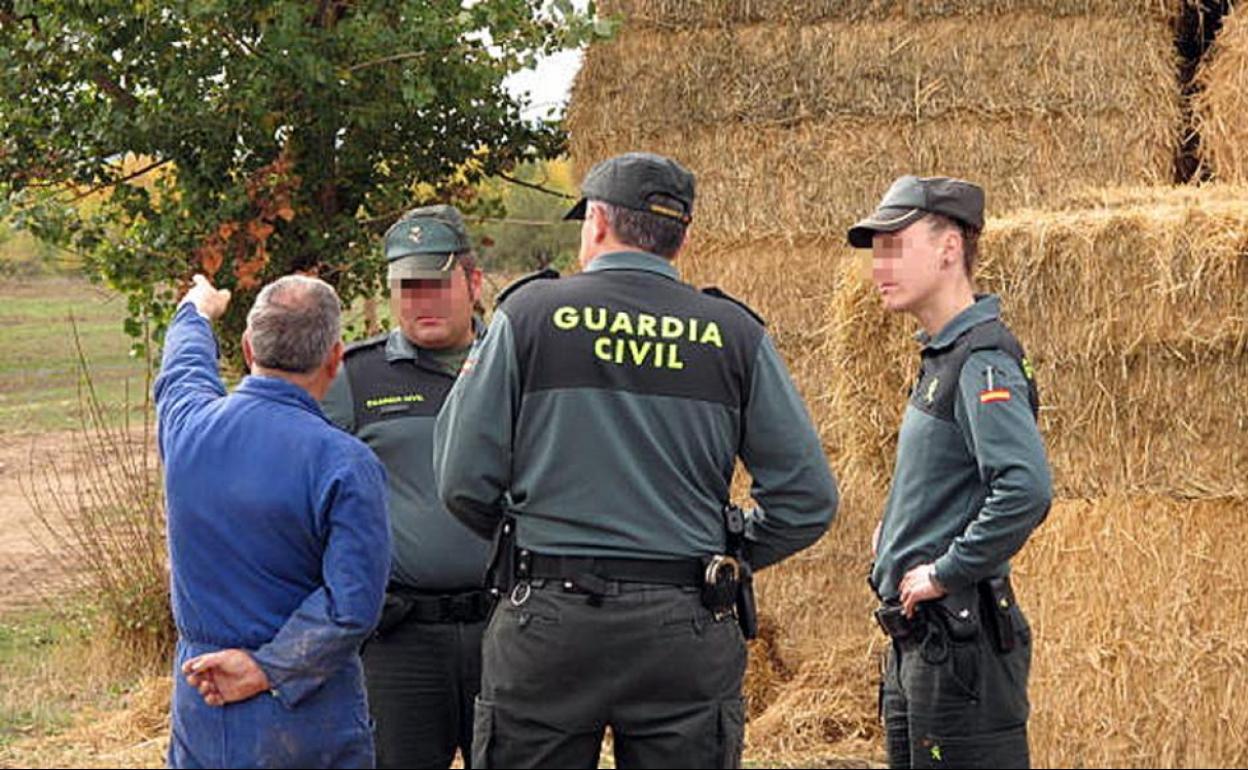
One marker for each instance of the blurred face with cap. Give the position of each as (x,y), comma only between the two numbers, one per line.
(917,235)
(434,281)
(636,201)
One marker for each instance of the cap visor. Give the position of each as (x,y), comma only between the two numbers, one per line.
(888,220)
(409,268)
(577,211)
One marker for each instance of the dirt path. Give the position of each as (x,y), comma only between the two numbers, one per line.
(34,567)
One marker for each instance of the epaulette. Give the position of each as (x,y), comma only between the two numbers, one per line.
(544,273)
(369,342)
(715,291)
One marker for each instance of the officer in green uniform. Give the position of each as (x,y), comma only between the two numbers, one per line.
(602,415)
(970,484)
(423,666)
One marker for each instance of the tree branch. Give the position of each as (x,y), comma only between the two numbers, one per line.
(114,182)
(538,187)
(387,60)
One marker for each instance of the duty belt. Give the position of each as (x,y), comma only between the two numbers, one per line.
(423,607)
(592,574)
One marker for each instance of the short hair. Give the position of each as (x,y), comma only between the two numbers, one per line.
(970,238)
(643,230)
(294,323)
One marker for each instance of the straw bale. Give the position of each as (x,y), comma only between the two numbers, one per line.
(1137,319)
(677,13)
(815,179)
(1135,605)
(1221,106)
(766,75)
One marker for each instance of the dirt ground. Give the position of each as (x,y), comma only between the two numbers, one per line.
(32,566)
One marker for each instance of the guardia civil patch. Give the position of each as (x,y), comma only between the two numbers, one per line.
(994,395)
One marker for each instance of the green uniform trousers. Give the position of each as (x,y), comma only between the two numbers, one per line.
(422,680)
(648,661)
(951,704)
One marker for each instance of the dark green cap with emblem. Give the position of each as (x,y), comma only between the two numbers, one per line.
(910,198)
(641,181)
(424,242)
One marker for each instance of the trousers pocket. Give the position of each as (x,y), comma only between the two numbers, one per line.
(731,732)
(482,732)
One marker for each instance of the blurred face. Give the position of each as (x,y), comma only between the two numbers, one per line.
(437,314)
(909,265)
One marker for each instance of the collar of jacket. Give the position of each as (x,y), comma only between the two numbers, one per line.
(986,308)
(634,260)
(279,390)
(400,348)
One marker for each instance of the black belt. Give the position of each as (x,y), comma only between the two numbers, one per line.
(672,572)
(424,607)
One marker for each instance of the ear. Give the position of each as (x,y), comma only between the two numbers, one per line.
(333,361)
(951,248)
(475,277)
(249,356)
(598,228)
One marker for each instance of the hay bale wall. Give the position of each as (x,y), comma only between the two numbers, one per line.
(1134,302)
(1221,106)
(794,129)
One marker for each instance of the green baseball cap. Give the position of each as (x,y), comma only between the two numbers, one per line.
(641,181)
(424,242)
(910,198)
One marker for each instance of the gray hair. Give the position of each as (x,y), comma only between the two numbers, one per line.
(640,229)
(293,325)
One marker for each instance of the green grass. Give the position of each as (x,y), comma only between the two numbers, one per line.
(33,702)
(38,362)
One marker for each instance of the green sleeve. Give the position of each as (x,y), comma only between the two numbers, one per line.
(1003,436)
(472,442)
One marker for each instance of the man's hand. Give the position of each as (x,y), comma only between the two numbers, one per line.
(225,677)
(919,585)
(210,302)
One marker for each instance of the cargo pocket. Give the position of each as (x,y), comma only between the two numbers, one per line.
(731,732)
(482,732)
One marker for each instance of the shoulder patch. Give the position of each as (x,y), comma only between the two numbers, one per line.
(545,273)
(715,291)
(365,344)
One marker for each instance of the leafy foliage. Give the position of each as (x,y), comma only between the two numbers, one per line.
(251,138)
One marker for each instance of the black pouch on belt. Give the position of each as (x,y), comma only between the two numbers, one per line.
(958,613)
(997,596)
(394,610)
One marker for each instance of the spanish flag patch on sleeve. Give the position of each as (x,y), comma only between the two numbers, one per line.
(994,395)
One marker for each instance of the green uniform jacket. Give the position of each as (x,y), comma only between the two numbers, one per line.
(388,394)
(605,411)
(971,484)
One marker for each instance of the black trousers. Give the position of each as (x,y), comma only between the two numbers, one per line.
(422,680)
(957,704)
(649,661)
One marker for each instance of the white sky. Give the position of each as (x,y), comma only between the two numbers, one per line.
(547,84)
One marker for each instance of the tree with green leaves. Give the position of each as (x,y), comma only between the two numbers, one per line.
(250,138)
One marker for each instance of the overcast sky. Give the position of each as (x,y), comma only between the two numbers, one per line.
(547,84)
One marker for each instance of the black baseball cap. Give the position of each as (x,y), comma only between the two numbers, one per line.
(910,198)
(641,181)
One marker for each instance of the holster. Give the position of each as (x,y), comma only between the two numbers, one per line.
(500,573)
(739,596)
(997,599)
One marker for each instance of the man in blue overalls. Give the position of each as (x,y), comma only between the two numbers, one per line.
(278,539)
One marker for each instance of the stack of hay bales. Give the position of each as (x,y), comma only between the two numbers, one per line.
(1221,106)
(796,116)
